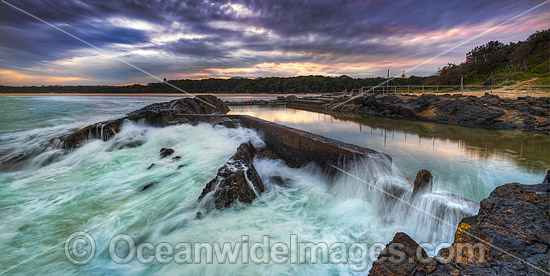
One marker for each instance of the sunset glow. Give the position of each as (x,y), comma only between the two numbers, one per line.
(227,39)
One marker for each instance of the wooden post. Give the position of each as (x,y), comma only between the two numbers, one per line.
(422,89)
(388,82)
(395,89)
(491,89)
(437,88)
(528,89)
(461,84)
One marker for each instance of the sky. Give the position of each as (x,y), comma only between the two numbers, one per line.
(245,38)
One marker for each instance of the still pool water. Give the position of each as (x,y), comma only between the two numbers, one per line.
(98,188)
(466,161)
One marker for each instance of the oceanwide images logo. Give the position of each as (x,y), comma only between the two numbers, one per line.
(80,249)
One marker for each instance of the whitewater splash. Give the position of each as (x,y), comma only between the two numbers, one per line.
(98,188)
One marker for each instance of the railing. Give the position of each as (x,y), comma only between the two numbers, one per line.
(454,89)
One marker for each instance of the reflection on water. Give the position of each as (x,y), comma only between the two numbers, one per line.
(466,161)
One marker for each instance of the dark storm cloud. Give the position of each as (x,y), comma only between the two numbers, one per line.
(307,30)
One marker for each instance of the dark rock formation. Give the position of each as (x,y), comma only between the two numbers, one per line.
(157,114)
(151,166)
(423,182)
(176,157)
(204,104)
(148,186)
(488,111)
(165,152)
(408,262)
(509,236)
(236,180)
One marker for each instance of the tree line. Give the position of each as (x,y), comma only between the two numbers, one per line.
(491,63)
(495,62)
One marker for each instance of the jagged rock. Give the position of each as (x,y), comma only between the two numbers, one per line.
(423,182)
(487,111)
(236,180)
(204,104)
(409,263)
(181,166)
(165,152)
(510,235)
(157,114)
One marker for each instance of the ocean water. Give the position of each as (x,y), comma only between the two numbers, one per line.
(98,189)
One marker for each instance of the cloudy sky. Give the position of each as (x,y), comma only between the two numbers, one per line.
(245,38)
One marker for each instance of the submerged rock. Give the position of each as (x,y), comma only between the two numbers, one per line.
(148,186)
(423,182)
(236,180)
(165,152)
(510,235)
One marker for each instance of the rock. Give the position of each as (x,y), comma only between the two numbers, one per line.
(475,115)
(236,180)
(488,111)
(204,104)
(151,166)
(148,186)
(423,182)
(226,122)
(157,114)
(409,261)
(176,158)
(165,152)
(181,166)
(510,235)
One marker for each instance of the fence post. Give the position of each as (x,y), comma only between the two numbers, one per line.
(437,88)
(422,89)
(528,89)
(395,89)
(408,88)
(491,89)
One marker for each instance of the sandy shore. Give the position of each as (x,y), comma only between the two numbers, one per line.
(173,95)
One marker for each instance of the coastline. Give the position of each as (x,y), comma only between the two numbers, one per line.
(488,111)
(242,95)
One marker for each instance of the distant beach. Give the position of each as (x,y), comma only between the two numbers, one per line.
(240,95)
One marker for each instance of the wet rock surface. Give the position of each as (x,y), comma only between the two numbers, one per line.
(423,182)
(165,152)
(204,104)
(157,114)
(236,180)
(526,113)
(510,235)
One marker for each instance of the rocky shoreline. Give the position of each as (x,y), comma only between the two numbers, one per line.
(488,111)
(510,235)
